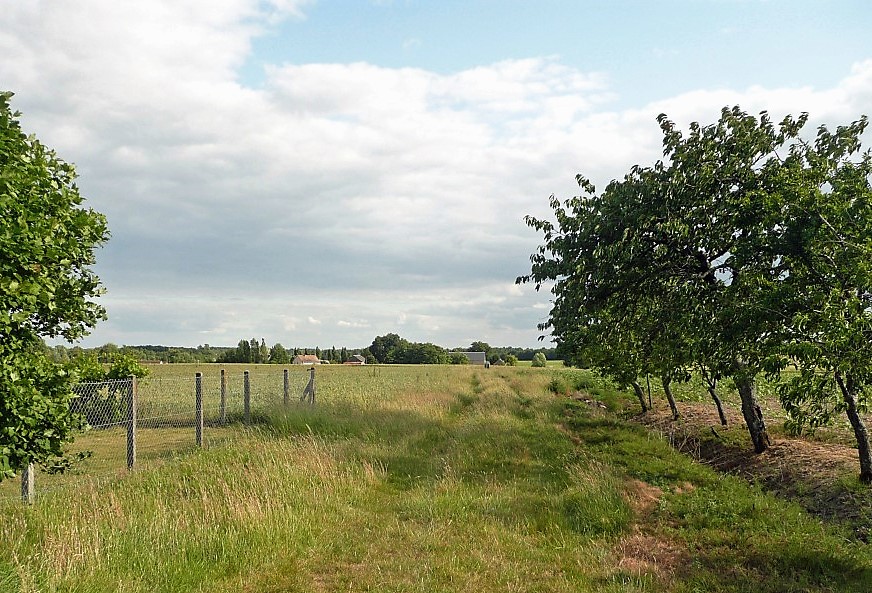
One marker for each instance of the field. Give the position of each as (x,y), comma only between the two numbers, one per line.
(442,478)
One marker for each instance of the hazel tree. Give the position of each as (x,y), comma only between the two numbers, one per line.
(47,244)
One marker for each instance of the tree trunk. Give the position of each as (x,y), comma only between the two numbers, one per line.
(753,414)
(712,384)
(640,394)
(667,382)
(849,395)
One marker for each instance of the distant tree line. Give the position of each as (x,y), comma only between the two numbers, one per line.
(392,349)
(387,349)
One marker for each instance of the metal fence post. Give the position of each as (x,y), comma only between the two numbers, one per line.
(27,484)
(287,387)
(198,408)
(246,381)
(131,422)
(223,408)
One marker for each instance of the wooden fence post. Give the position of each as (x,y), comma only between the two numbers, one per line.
(198,408)
(223,408)
(287,388)
(309,391)
(246,382)
(131,423)
(27,484)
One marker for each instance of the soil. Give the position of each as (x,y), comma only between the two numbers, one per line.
(821,477)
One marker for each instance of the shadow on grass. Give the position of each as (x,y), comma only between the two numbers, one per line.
(738,537)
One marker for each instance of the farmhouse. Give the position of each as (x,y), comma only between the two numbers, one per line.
(476,358)
(305,359)
(355,359)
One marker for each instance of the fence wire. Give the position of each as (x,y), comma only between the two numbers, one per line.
(166,419)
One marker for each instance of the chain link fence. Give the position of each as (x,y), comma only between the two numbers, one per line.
(149,421)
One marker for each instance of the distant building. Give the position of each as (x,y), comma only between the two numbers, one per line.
(305,359)
(476,358)
(355,359)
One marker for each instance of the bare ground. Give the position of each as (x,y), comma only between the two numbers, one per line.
(816,475)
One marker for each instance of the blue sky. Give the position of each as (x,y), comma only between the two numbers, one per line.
(643,48)
(322,172)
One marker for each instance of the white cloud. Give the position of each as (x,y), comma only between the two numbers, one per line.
(353,197)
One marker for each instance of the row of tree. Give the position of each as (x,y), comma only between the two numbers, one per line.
(253,352)
(746,251)
(392,349)
(257,352)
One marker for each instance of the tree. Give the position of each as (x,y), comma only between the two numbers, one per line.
(827,255)
(677,264)
(278,354)
(262,352)
(47,243)
(539,360)
(382,346)
(418,353)
(480,347)
(458,358)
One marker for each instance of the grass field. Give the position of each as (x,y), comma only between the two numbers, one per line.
(448,478)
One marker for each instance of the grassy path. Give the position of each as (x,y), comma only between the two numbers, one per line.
(427,479)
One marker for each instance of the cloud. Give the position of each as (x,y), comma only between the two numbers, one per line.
(334,193)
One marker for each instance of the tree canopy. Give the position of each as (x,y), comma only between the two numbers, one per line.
(746,247)
(47,244)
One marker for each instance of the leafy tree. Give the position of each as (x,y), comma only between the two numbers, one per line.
(107,351)
(539,360)
(103,403)
(458,358)
(278,354)
(418,353)
(262,352)
(47,243)
(511,360)
(678,264)
(828,260)
(480,347)
(382,346)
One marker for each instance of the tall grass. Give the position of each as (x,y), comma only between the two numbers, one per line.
(424,479)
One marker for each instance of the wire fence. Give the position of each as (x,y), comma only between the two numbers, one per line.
(143,422)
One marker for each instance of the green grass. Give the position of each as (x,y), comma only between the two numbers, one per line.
(427,479)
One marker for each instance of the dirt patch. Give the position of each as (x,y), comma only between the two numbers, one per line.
(642,497)
(643,551)
(645,554)
(815,475)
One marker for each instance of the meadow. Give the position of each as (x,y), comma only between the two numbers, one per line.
(424,478)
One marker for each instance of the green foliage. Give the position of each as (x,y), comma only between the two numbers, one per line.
(278,354)
(101,401)
(382,346)
(479,346)
(511,360)
(458,358)
(417,353)
(47,243)
(743,248)
(539,360)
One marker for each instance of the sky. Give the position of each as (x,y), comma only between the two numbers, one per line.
(321,172)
